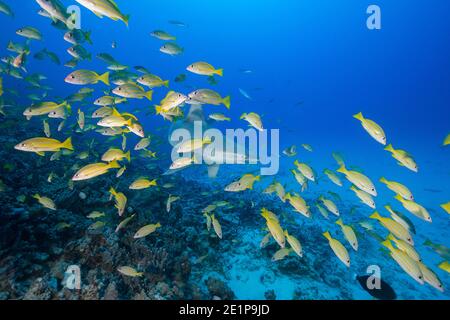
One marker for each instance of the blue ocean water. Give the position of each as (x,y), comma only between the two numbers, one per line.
(313,65)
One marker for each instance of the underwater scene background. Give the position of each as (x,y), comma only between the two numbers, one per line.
(305,67)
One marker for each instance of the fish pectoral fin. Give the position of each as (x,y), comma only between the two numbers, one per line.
(213,170)
(40,153)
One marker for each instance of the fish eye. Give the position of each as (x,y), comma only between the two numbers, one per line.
(73,77)
(420,277)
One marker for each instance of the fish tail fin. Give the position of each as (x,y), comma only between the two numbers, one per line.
(219,72)
(126,19)
(296,162)
(158,225)
(327,235)
(390,236)
(36,196)
(166,83)
(353,188)
(68,144)
(243,116)
(87,36)
(114,165)
(112,191)
(398,197)
(375,215)
(104,78)
(128,156)
(149,95)
(342,169)
(359,116)
(387,243)
(383,180)
(129,122)
(389,148)
(227,102)
(427,242)
(158,109)
(258,178)
(339,222)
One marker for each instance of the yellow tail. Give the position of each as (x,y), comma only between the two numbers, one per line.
(399,197)
(219,72)
(126,19)
(327,235)
(36,196)
(67,144)
(340,223)
(227,102)
(149,95)
(127,156)
(166,83)
(383,180)
(389,148)
(158,109)
(391,237)
(158,225)
(387,243)
(359,116)
(342,169)
(375,215)
(104,78)
(243,116)
(112,191)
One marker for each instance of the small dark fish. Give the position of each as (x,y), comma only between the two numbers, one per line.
(178,23)
(385,292)
(180,78)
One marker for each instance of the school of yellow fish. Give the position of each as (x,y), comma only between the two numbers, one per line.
(109,121)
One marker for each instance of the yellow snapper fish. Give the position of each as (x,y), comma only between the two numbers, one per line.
(372,128)
(400,218)
(107,8)
(398,188)
(95,215)
(330,205)
(192,145)
(124,222)
(152,81)
(121,171)
(359,180)
(404,158)
(162,35)
(333,177)
(171,48)
(114,154)
(142,183)
(430,277)
(129,271)
(137,129)
(171,199)
(43,108)
(338,249)
(207,96)
(253,119)
(216,226)
(204,69)
(115,120)
(208,221)
(219,117)
(394,227)
(81,119)
(294,243)
(120,201)
(46,129)
(94,170)
(322,211)
(306,170)
(131,90)
(414,208)
(405,247)
(290,151)
(84,77)
(29,33)
(349,234)
(405,262)
(300,178)
(45,202)
(281,254)
(364,197)
(97,225)
(107,101)
(142,144)
(171,101)
(446,207)
(269,215)
(299,204)
(244,183)
(42,145)
(444,265)
(182,163)
(146,230)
